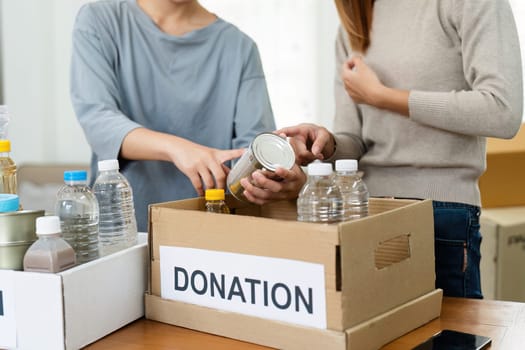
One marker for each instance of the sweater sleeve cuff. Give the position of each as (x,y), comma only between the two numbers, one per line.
(424,105)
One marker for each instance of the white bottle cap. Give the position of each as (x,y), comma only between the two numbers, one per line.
(48,225)
(346,165)
(109,164)
(319,169)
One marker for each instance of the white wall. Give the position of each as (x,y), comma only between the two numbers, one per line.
(295,38)
(36,46)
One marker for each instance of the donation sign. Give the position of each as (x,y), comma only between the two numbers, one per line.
(272,288)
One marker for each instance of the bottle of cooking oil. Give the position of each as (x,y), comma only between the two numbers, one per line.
(8,183)
(215,201)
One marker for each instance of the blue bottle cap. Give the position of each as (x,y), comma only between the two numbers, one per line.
(9,202)
(75,175)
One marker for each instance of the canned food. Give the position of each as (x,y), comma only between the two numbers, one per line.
(266,151)
(17,233)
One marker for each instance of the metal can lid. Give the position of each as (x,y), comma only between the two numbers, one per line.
(273,151)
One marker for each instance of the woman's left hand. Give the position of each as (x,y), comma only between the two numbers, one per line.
(361,82)
(265,186)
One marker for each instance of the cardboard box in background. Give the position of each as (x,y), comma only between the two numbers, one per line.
(74,308)
(378,271)
(503,253)
(503,183)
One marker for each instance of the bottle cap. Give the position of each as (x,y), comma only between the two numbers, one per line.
(9,202)
(346,165)
(75,175)
(5,146)
(109,164)
(319,169)
(48,225)
(214,194)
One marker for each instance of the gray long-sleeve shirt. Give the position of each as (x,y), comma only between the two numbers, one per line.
(460,59)
(206,86)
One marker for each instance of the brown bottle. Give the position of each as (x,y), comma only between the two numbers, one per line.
(50,253)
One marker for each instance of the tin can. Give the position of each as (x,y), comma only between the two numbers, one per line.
(17,233)
(266,151)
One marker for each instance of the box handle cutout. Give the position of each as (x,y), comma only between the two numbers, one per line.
(392,251)
(338,279)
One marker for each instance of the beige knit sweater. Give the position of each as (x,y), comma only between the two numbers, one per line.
(460,60)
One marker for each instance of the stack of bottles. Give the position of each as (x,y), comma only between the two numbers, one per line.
(84,227)
(98,221)
(329,198)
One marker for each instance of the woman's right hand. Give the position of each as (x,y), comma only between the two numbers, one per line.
(204,166)
(310,142)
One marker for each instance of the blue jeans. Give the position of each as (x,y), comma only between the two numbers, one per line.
(457,249)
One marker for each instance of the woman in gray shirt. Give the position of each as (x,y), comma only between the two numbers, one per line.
(168,88)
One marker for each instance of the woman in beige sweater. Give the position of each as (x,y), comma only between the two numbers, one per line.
(422,83)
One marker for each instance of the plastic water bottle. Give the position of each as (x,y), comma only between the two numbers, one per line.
(215,201)
(353,189)
(320,199)
(77,208)
(50,253)
(117,225)
(4,121)
(8,182)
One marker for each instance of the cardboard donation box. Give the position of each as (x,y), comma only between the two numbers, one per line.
(502,184)
(503,253)
(75,307)
(263,277)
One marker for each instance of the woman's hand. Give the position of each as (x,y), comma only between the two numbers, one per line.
(309,141)
(265,186)
(361,82)
(204,166)
(363,86)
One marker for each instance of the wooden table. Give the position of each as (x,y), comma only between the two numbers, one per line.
(502,321)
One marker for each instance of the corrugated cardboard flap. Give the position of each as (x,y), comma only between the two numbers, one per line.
(247,328)
(390,286)
(369,335)
(374,333)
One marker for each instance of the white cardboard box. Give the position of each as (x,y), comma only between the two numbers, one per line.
(73,308)
(503,253)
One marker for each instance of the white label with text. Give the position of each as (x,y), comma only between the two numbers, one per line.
(7,310)
(272,288)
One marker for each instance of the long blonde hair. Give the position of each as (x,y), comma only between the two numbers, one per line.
(356,18)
